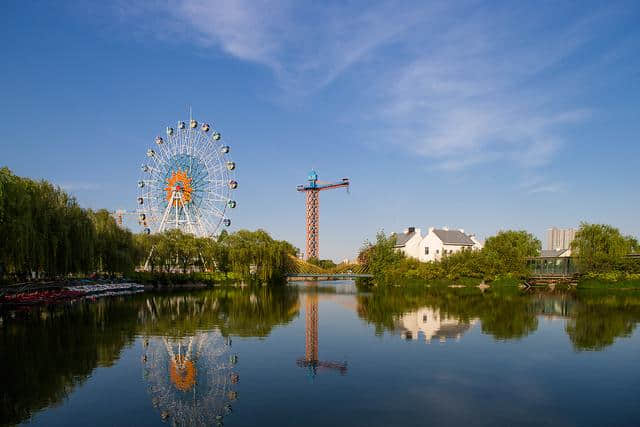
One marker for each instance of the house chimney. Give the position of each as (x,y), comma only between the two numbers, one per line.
(431,230)
(461,230)
(412,229)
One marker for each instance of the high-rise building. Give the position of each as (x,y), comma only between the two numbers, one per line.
(560,238)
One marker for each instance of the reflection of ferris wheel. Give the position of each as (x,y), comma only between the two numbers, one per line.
(191,379)
(187,182)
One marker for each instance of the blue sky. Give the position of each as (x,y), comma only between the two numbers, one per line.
(471,114)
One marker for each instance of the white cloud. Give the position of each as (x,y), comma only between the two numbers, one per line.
(306,46)
(459,84)
(483,90)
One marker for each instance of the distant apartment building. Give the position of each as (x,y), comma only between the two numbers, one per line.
(560,238)
(436,244)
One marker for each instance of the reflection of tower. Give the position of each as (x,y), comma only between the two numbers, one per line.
(310,360)
(311,329)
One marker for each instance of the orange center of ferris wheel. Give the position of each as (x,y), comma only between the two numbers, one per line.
(179,182)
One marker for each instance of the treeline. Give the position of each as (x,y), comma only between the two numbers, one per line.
(502,255)
(247,255)
(599,251)
(45,233)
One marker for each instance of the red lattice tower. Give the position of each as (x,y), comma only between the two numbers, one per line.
(312,246)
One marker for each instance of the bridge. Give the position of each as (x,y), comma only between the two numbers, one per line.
(300,269)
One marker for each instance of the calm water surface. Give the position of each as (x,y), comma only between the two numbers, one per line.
(325,355)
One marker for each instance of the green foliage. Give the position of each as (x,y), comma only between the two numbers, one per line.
(116,249)
(43,231)
(504,255)
(248,255)
(602,248)
(322,263)
(381,259)
(512,248)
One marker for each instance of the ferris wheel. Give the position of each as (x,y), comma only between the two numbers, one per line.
(191,379)
(187,182)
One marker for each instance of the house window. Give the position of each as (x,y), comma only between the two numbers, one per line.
(426,250)
(437,251)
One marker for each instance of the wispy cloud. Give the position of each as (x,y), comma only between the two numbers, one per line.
(484,90)
(306,46)
(459,85)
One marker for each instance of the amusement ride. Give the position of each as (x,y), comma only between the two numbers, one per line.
(187,181)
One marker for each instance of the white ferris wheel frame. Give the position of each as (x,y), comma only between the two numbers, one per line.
(200,148)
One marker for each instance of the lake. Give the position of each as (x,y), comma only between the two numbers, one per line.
(325,354)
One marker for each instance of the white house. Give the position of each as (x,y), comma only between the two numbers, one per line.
(431,323)
(408,241)
(439,242)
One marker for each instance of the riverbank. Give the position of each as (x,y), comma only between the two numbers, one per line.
(591,281)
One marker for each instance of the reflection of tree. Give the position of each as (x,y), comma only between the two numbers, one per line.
(504,315)
(48,351)
(509,317)
(243,312)
(601,318)
(595,319)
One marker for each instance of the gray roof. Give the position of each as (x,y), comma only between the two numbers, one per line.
(552,253)
(454,237)
(403,238)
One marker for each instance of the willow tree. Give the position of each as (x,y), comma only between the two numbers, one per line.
(44,231)
(256,255)
(116,250)
(601,247)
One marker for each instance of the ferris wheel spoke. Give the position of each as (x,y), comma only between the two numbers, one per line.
(202,220)
(214,210)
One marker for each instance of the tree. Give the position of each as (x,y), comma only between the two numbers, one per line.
(600,247)
(512,248)
(322,263)
(380,257)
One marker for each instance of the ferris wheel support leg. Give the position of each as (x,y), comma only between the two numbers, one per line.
(186,213)
(146,263)
(166,214)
